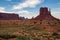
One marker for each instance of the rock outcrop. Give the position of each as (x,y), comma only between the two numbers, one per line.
(44,14)
(8,16)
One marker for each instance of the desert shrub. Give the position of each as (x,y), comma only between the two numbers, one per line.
(48,22)
(56,35)
(59,30)
(40,22)
(36,39)
(32,35)
(7,36)
(35,22)
(23,38)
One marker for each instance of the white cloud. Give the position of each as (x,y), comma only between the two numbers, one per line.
(2,9)
(56,14)
(27,3)
(24,13)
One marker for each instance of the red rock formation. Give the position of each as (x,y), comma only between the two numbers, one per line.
(21,18)
(45,14)
(8,16)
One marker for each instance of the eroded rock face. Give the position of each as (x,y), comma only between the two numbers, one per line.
(8,16)
(45,14)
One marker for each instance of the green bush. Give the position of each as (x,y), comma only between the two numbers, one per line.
(7,36)
(23,38)
(36,39)
(56,35)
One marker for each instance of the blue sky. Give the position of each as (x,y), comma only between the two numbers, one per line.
(29,8)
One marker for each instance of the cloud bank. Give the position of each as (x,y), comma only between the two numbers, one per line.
(27,3)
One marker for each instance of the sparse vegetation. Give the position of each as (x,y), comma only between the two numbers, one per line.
(56,36)
(7,36)
(23,38)
(27,30)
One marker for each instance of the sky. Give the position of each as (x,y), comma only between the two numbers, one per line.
(29,8)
